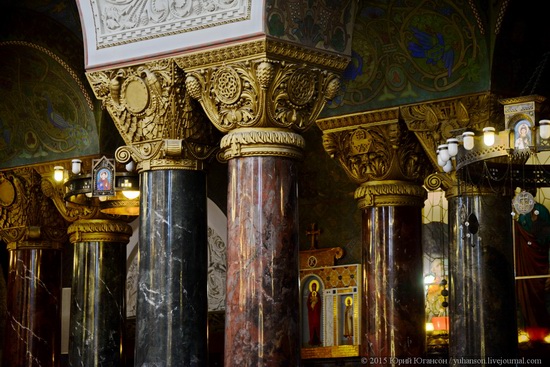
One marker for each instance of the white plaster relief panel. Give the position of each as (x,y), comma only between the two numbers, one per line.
(122,31)
(124,21)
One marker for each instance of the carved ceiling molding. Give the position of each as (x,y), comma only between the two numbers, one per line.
(162,126)
(124,22)
(266,48)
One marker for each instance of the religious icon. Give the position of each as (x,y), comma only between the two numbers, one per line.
(523,135)
(103,173)
(348,320)
(104,180)
(314,313)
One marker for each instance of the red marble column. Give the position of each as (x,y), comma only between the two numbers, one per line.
(33,325)
(262,306)
(393,321)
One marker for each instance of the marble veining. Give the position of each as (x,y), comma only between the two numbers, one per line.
(393,290)
(33,314)
(171,312)
(262,306)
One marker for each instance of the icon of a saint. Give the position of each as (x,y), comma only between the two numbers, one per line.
(104,182)
(314,313)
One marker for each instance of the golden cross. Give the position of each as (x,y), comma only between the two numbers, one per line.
(313,232)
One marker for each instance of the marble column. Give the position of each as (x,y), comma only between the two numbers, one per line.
(262,312)
(377,152)
(393,296)
(98,312)
(481,284)
(169,138)
(171,312)
(262,104)
(33,333)
(35,234)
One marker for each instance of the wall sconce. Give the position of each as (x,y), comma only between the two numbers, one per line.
(489,136)
(452,146)
(58,173)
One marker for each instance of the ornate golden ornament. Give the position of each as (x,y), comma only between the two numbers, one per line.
(273,97)
(162,126)
(264,48)
(434,122)
(390,193)
(31,216)
(99,230)
(378,151)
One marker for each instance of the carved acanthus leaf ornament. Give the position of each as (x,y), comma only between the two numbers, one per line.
(160,124)
(269,101)
(378,153)
(435,122)
(27,216)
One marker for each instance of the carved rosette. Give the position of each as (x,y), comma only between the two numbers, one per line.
(99,230)
(264,104)
(28,218)
(162,127)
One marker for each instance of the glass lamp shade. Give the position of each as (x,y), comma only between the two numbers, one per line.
(489,136)
(444,152)
(468,140)
(452,146)
(76,166)
(448,166)
(58,173)
(544,129)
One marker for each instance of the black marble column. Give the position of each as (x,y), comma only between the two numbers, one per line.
(33,325)
(393,321)
(482,293)
(98,311)
(171,314)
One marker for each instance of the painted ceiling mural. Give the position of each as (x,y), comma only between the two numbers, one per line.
(407,51)
(318,24)
(46,112)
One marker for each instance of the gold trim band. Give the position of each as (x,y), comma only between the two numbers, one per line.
(262,142)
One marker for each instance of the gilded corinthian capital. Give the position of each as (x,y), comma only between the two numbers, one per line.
(263,103)
(28,218)
(161,126)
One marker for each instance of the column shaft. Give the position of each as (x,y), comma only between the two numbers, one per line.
(98,311)
(33,331)
(262,307)
(393,323)
(171,314)
(482,292)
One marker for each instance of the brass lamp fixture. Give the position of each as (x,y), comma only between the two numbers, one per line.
(116,192)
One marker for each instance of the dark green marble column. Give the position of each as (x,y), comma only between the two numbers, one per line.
(172,304)
(98,310)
